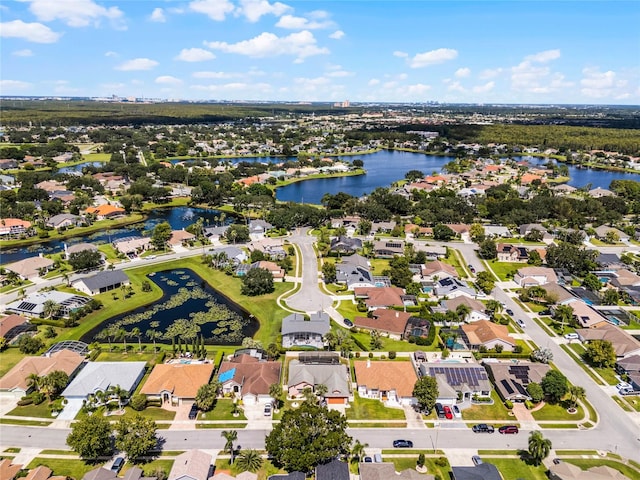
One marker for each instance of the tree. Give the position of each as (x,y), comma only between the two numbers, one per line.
(535,392)
(136,436)
(308,436)
(329,272)
(85,259)
(425,391)
(539,447)
(138,402)
(206,396)
(610,297)
(563,314)
(592,282)
(275,392)
(462,311)
(534,258)
(576,393)
(476,232)
(136,333)
(30,345)
(488,249)
(249,460)
(442,232)
(90,437)
(542,355)
(50,308)
(358,450)
(375,341)
(485,282)
(230,436)
(161,235)
(493,307)
(237,233)
(54,383)
(600,353)
(257,281)
(399,272)
(554,385)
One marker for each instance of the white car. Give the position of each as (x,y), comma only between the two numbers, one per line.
(624,387)
(520,323)
(571,336)
(456,411)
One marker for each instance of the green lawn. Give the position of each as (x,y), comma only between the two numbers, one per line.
(505,270)
(151,413)
(368,409)
(349,310)
(608,375)
(31,423)
(513,468)
(222,411)
(379,265)
(73,468)
(38,411)
(96,157)
(430,462)
(389,345)
(267,469)
(453,259)
(558,412)
(497,411)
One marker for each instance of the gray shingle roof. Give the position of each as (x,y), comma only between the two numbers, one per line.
(318,323)
(105,279)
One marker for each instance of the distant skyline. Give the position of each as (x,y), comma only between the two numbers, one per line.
(534,52)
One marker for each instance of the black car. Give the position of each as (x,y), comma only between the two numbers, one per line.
(509,312)
(193,413)
(117,464)
(402,444)
(348,322)
(483,428)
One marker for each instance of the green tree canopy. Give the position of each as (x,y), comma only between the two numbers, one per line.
(600,353)
(555,385)
(329,272)
(206,396)
(426,392)
(308,436)
(539,447)
(90,437)
(85,259)
(161,235)
(136,436)
(257,281)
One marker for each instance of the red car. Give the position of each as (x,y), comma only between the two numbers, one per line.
(506,429)
(448,414)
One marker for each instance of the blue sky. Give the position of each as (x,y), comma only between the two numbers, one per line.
(585,52)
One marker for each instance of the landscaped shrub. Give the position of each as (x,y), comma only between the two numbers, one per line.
(528,404)
(392,355)
(508,404)
(421,460)
(441,461)
(370,354)
(357,354)
(24,401)
(38,397)
(138,402)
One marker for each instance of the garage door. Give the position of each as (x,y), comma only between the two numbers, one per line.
(335,401)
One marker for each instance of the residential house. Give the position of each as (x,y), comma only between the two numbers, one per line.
(534,276)
(271,247)
(191,465)
(344,245)
(484,471)
(333,470)
(215,234)
(100,376)
(298,331)
(568,471)
(273,268)
(609,261)
(435,270)
(64,220)
(380,297)
(388,248)
(288,476)
(417,327)
(389,382)
(8,163)
(391,322)
(179,238)
(175,383)
(585,316)
(77,248)
(31,267)
(258,229)
(459,228)
(383,227)
(132,246)
(624,344)
(630,366)
(33,304)
(106,211)
(249,378)
(624,278)
(453,287)
(15,382)
(563,189)
(309,373)
(599,192)
(497,231)
(457,381)
(9,470)
(234,255)
(50,186)
(511,379)
(558,294)
(13,227)
(527,228)
(434,252)
(354,271)
(387,470)
(12,326)
(411,230)
(101,282)
(511,253)
(604,231)
(489,335)
(477,310)
(102,473)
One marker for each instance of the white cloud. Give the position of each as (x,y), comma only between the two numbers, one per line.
(597,84)
(214,9)
(400,54)
(543,57)
(463,72)
(23,53)
(7,86)
(110,53)
(487,87)
(32,32)
(254,9)
(433,57)
(373,82)
(112,86)
(416,89)
(158,15)
(168,80)
(339,73)
(137,64)
(75,13)
(215,75)
(195,55)
(456,87)
(300,44)
(300,23)
(489,73)
(337,35)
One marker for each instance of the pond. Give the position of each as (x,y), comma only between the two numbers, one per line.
(188,306)
(78,167)
(178,218)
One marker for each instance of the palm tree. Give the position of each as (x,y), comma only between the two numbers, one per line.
(275,392)
(137,334)
(120,393)
(49,308)
(357,450)
(230,436)
(34,381)
(123,334)
(563,314)
(153,334)
(493,307)
(249,460)
(321,390)
(462,311)
(539,447)
(66,278)
(577,393)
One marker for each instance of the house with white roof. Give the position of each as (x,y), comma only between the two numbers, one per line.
(100,376)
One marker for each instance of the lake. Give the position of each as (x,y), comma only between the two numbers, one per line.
(178,218)
(190,301)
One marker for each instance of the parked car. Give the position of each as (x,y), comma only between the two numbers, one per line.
(402,444)
(439,410)
(556,461)
(471,268)
(117,464)
(624,387)
(456,411)
(267,409)
(509,312)
(506,429)
(193,413)
(476,460)
(520,323)
(348,322)
(571,336)
(482,428)
(447,412)
(368,459)
(377,458)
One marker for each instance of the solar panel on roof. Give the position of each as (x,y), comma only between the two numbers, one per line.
(520,389)
(507,386)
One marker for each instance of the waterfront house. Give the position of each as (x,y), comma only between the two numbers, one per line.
(179,238)
(64,220)
(215,234)
(77,248)
(132,246)
(106,211)
(12,326)
(175,383)
(299,331)
(13,227)
(33,304)
(100,376)
(258,229)
(101,282)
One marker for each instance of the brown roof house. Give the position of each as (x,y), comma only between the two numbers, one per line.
(179,238)
(176,382)
(391,322)
(15,381)
(12,325)
(624,344)
(534,276)
(568,471)
(585,316)
(30,267)
(191,465)
(309,374)
(484,333)
(511,379)
(249,378)
(387,470)
(389,382)
(380,297)
(436,270)
(9,470)
(476,312)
